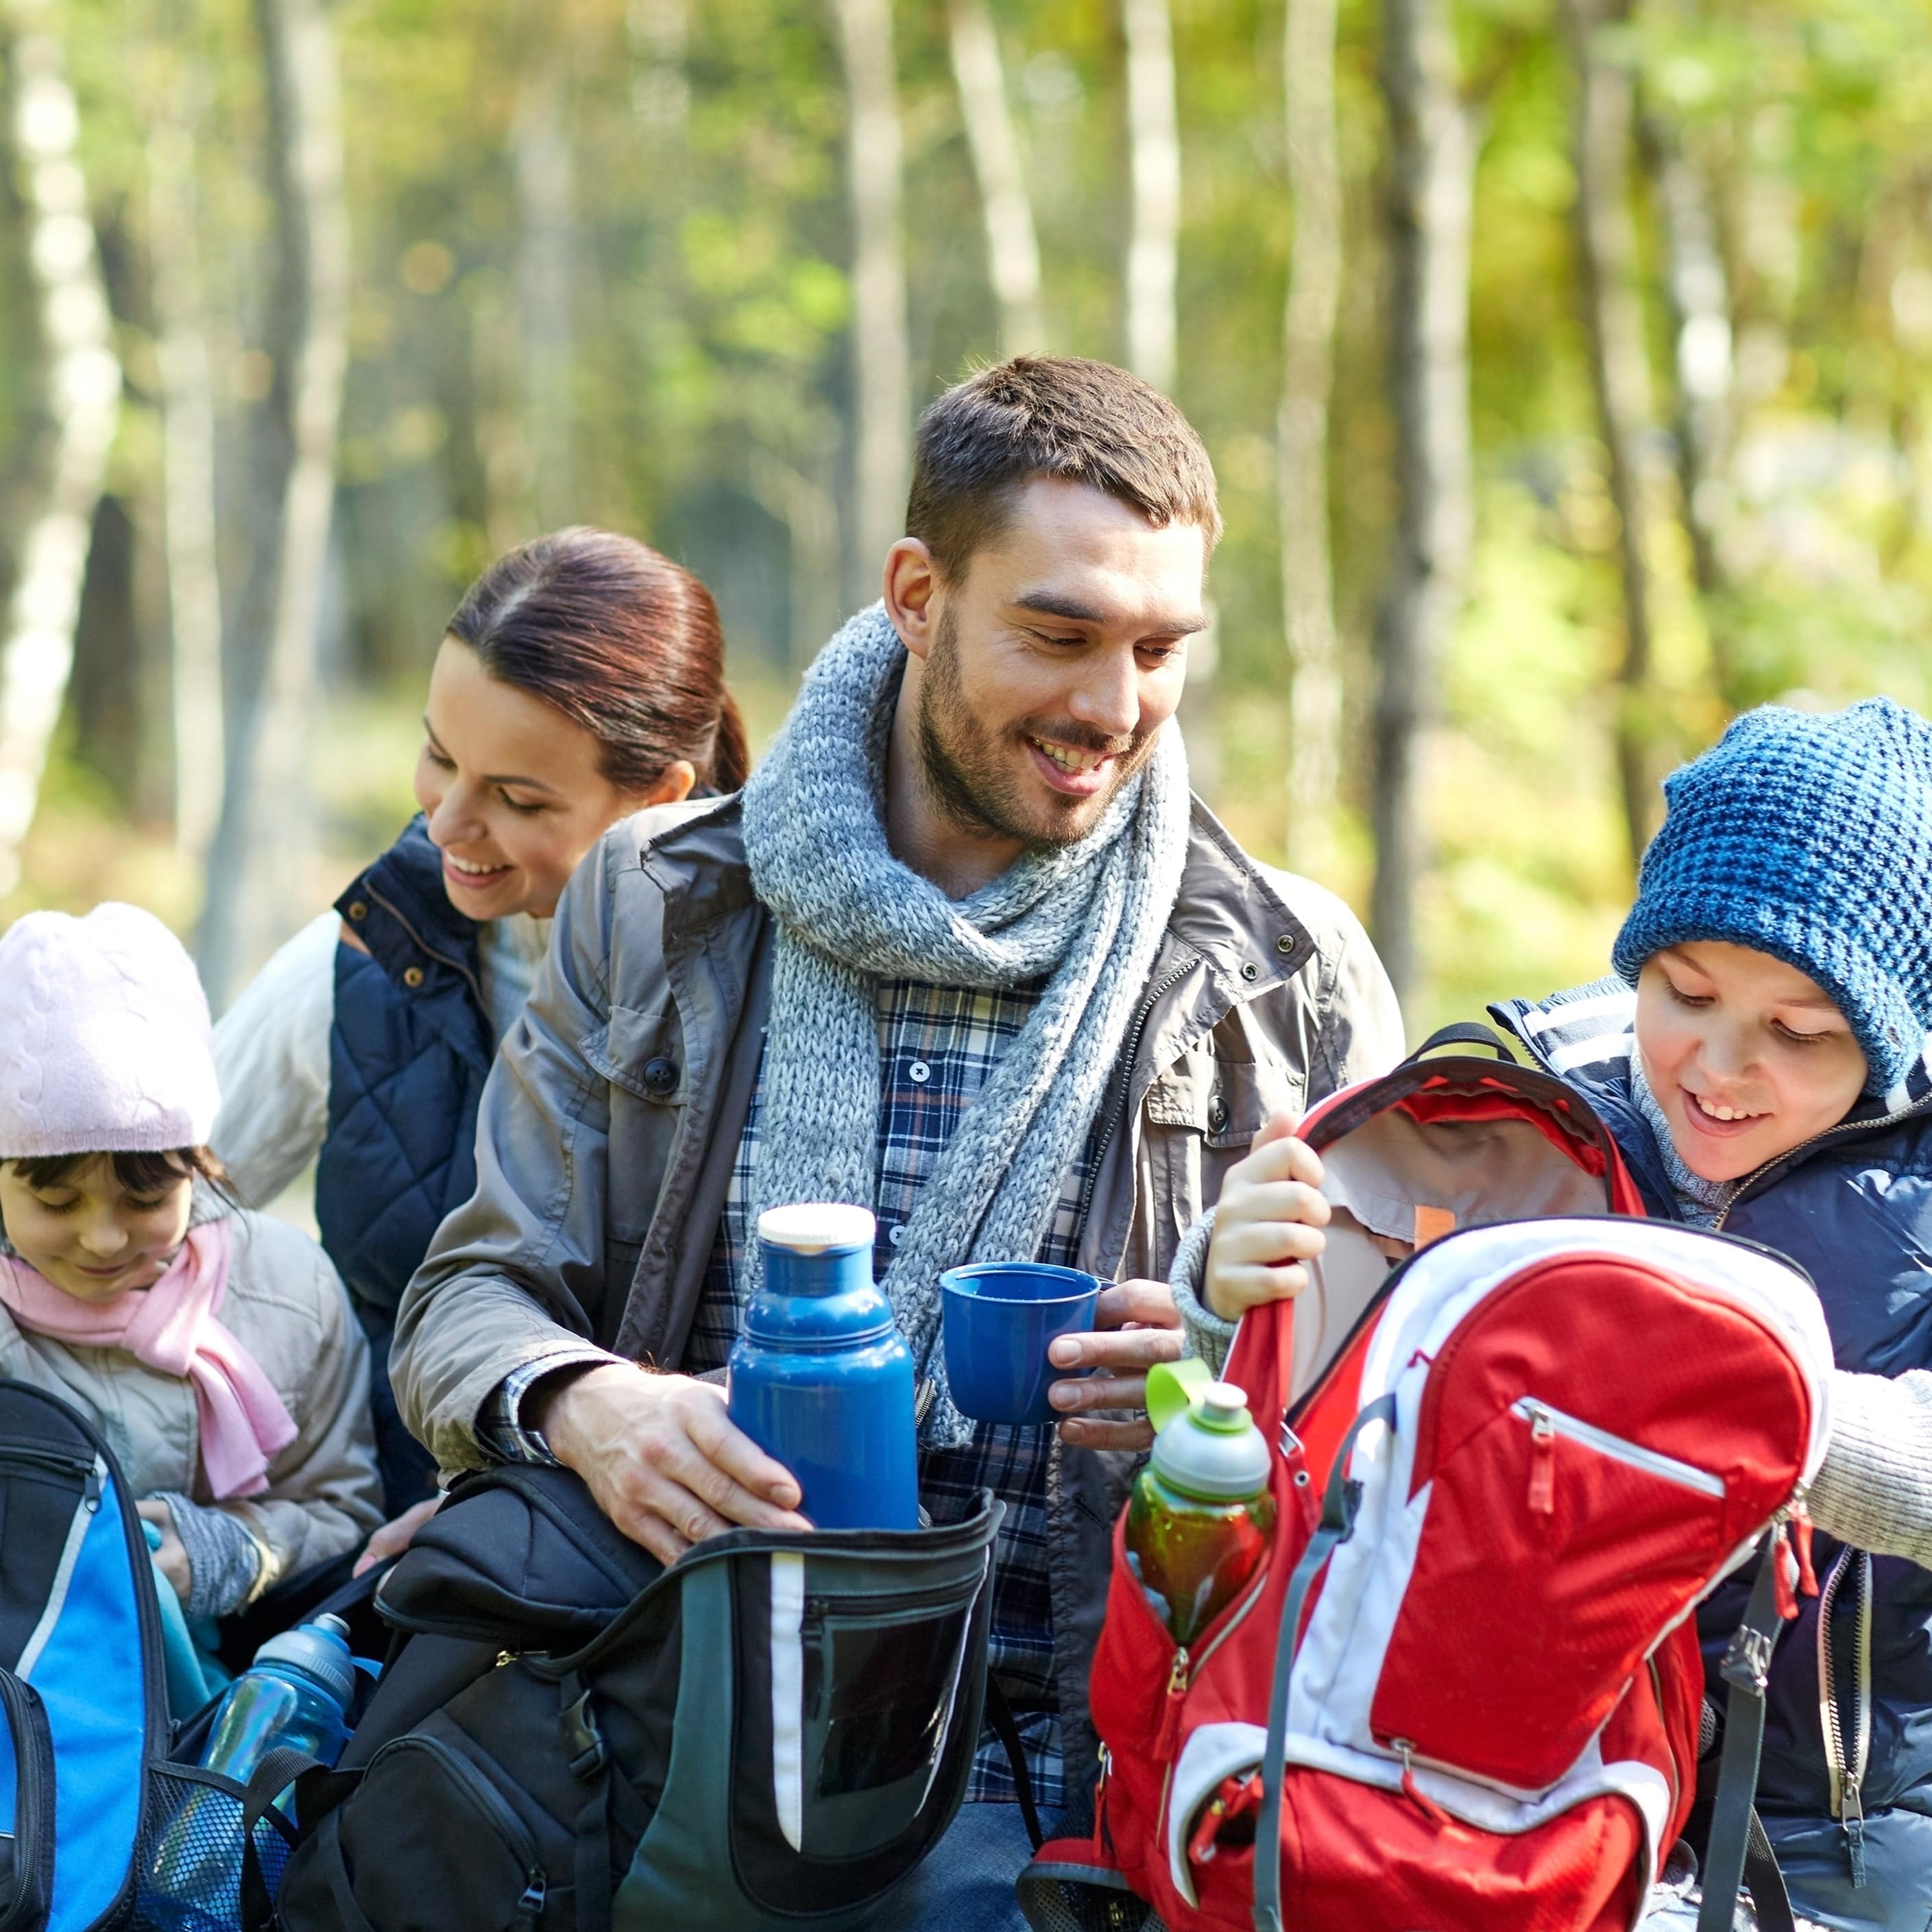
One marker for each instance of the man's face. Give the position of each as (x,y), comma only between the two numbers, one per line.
(1054,662)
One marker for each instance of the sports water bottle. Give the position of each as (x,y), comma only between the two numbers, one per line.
(821,1378)
(296,1693)
(1201,1512)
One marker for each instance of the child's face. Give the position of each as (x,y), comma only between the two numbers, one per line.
(89,1235)
(1747,1056)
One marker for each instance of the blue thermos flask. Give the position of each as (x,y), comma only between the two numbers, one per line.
(821,1378)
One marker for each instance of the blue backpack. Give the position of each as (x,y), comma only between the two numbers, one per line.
(80,1673)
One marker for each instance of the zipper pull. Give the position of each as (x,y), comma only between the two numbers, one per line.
(1801,1542)
(1785,1559)
(1413,1792)
(90,1492)
(1170,1717)
(1853,1810)
(1542,1462)
(530,1907)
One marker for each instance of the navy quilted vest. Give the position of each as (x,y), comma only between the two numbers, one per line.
(407,1057)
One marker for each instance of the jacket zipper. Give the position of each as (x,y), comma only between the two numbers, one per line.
(1164,985)
(1846,1761)
(1546,1423)
(455,965)
(1790,1155)
(491,1802)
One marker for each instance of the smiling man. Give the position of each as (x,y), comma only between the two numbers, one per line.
(964,951)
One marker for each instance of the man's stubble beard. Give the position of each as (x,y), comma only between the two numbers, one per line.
(964,774)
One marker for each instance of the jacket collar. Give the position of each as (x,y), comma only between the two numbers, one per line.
(399,910)
(1227,911)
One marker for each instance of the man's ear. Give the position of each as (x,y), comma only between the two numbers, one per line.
(911,588)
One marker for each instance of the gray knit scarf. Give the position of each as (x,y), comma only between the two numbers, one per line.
(1090,915)
(1700,1201)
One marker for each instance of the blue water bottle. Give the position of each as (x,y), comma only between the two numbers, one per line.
(821,1378)
(298,1693)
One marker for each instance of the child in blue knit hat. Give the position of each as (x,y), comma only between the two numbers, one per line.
(1761,1057)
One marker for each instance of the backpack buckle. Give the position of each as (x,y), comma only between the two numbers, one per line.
(582,1739)
(1747,1661)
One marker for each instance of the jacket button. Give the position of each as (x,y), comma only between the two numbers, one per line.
(660,1077)
(1286,944)
(1249,971)
(1217,1114)
(413,976)
(357,910)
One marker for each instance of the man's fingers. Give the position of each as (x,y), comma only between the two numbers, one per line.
(1117,1348)
(730,1451)
(1138,1300)
(1073,1398)
(1085,1433)
(699,1483)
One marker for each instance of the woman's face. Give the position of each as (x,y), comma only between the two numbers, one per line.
(89,1235)
(1747,1057)
(513,791)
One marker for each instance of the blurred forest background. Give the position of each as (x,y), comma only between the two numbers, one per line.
(1564,364)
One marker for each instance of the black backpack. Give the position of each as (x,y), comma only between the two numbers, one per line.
(771,1733)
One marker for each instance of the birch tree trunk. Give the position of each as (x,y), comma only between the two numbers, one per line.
(1432,134)
(188,462)
(1314,289)
(83,392)
(1154,246)
(1605,103)
(1012,245)
(1697,284)
(259,875)
(881,351)
(546,277)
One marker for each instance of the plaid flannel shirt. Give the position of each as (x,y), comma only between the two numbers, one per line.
(937,1046)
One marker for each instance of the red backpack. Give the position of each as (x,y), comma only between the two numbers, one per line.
(1464,1692)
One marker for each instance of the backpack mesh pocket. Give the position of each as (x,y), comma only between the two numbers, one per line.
(189,1868)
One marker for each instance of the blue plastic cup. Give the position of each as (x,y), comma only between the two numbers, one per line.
(999,1317)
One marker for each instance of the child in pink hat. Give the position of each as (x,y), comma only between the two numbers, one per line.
(213,1348)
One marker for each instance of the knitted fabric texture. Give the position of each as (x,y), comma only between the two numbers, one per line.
(1700,1201)
(1086,918)
(1808,838)
(105,1044)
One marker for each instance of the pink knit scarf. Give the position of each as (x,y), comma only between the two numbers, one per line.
(172,1327)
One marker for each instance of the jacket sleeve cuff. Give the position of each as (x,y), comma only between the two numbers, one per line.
(501,1430)
(1874,1489)
(1206,1335)
(223,1560)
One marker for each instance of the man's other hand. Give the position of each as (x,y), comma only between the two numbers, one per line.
(662,1459)
(1138,1325)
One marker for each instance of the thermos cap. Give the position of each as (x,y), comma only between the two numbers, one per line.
(319,1651)
(1211,1449)
(817,1227)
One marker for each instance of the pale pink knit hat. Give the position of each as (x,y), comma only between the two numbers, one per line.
(105,1043)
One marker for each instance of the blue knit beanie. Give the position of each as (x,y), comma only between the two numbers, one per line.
(1808,837)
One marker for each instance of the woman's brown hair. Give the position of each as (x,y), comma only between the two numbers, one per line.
(622,641)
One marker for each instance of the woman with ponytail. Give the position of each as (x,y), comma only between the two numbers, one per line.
(581,679)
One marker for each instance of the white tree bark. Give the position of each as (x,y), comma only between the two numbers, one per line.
(545,172)
(1012,245)
(258,881)
(881,350)
(187,470)
(660,35)
(1154,246)
(83,392)
(1314,290)
(1431,208)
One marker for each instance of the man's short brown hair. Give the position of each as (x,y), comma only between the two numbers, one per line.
(985,438)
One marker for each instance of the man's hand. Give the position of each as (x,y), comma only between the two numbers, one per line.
(391,1539)
(1269,1223)
(171,1559)
(1138,1325)
(662,1459)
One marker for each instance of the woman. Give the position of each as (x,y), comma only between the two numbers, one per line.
(580,679)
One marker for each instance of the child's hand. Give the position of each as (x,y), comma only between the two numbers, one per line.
(395,1536)
(171,1559)
(1269,1223)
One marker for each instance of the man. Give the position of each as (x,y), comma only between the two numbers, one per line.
(964,951)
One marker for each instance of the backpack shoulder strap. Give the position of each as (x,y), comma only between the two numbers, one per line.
(1736,1832)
